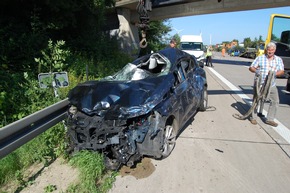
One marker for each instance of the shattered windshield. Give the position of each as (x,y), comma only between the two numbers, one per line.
(129,72)
(155,65)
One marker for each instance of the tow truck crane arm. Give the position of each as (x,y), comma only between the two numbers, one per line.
(142,8)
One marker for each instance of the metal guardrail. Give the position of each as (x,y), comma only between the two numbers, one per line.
(20,132)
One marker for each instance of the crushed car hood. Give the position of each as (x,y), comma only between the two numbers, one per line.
(120,99)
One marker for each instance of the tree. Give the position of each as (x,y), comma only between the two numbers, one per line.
(26,27)
(155,34)
(260,39)
(235,40)
(275,38)
(247,42)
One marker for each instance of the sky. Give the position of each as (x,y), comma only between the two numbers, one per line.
(217,28)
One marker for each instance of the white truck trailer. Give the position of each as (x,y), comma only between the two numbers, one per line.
(193,45)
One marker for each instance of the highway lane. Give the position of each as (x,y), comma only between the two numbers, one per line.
(235,70)
(218,153)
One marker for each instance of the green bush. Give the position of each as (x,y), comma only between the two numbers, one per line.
(46,37)
(52,143)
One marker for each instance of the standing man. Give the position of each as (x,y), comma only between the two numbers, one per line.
(172,43)
(208,57)
(262,65)
(223,51)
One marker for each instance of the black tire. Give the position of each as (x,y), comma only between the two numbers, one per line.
(170,133)
(204,100)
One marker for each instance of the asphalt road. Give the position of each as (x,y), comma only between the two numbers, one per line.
(218,153)
(235,70)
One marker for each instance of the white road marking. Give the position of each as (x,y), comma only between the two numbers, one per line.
(281,129)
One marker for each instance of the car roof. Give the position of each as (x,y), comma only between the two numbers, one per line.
(172,54)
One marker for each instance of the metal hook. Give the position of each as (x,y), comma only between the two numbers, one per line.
(143,43)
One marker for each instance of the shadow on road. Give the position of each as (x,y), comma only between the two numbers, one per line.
(231,62)
(222,92)
(241,108)
(284,98)
(248,90)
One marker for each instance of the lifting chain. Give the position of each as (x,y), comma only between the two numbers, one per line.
(260,96)
(142,8)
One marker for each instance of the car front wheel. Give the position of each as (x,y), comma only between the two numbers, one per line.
(204,100)
(170,134)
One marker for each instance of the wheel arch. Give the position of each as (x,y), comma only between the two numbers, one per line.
(171,120)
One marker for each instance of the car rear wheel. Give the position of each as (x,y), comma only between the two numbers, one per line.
(204,103)
(170,133)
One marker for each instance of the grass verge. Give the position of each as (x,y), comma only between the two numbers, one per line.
(94,178)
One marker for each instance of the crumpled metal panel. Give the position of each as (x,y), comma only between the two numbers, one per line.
(126,98)
(129,93)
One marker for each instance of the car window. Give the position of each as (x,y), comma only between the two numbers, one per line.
(190,63)
(185,65)
(193,64)
(177,78)
(181,72)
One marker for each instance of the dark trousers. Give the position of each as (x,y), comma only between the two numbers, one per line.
(208,61)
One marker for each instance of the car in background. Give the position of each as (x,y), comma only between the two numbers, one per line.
(260,49)
(140,110)
(236,51)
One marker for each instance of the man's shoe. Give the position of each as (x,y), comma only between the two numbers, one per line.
(272,123)
(253,121)
(260,115)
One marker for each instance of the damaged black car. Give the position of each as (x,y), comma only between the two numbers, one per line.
(140,110)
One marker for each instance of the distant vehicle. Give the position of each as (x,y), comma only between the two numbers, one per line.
(279,33)
(193,45)
(140,110)
(260,49)
(249,53)
(236,51)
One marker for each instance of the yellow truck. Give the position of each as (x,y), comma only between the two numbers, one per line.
(260,49)
(279,33)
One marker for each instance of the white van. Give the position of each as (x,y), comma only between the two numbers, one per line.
(193,45)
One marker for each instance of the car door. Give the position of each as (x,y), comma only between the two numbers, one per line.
(187,66)
(196,78)
(183,91)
